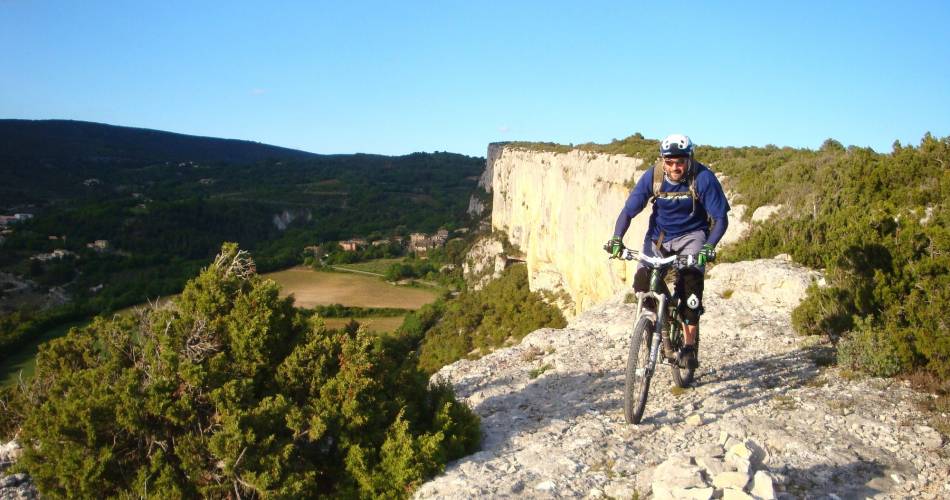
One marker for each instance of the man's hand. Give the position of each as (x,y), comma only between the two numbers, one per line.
(614,247)
(707,254)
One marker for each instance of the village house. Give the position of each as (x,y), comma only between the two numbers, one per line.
(59,253)
(420,243)
(440,237)
(314,250)
(6,220)
(353,245)
(99,245)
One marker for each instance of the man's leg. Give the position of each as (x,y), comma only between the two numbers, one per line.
(641,283)
(689,289)
(689,334)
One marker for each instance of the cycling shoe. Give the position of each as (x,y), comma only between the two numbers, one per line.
(687,357)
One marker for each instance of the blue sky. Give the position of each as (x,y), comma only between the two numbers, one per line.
(399,77)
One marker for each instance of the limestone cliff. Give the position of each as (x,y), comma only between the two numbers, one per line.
(558,209)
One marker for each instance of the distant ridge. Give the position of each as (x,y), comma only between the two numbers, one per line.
(89,141)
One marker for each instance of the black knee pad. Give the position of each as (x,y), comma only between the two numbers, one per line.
(689,289)
(641,283)
(641,280)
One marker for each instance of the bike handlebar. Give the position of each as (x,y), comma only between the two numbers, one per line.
(679,261)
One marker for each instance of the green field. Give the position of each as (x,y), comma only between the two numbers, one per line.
(24,359)
(378,266)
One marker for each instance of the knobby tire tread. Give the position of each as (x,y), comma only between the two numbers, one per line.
(682,377)
(636,388)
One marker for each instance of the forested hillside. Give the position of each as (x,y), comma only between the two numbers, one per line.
(45,160)
(876,222)
(165,202)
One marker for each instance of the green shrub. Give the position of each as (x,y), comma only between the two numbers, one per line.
(878,225)
(876,351)
(232,391)
(482,320)
(825,311)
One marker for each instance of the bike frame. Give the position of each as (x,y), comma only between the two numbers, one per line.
(661,298)
(658,267)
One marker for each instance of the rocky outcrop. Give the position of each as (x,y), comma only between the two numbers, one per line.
(553,426)
(14,486)
(484,262)
(765,212)
(283,219)
(476,207)
(559,209)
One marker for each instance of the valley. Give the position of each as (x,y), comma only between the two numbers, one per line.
(309,288)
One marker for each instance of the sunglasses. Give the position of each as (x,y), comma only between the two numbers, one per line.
(674,161)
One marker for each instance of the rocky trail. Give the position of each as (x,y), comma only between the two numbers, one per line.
(763,420)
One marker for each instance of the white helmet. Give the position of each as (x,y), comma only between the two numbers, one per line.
(676,145)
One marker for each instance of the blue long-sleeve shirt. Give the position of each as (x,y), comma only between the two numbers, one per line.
(675,216)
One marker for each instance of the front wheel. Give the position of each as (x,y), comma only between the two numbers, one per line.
(637,384)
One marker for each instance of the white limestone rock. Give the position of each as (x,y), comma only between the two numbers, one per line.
(765,212)
(762,486)
(730,479)
(733,494)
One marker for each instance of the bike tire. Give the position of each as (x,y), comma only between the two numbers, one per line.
(682,377)
(637,386)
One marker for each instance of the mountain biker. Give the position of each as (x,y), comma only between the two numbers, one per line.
(688,217)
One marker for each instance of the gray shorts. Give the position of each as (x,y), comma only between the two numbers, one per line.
(689,281)
(688,243)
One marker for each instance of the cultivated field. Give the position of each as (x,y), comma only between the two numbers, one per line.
(378,266)
(311,288)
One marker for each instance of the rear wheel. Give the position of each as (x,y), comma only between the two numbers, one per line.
(637,384)
(682,377)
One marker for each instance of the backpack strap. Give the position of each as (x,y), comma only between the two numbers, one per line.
(657,180)
(658,184)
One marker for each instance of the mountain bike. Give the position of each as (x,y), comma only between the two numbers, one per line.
(653,334)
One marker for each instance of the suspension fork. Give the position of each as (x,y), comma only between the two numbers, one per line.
(657,331)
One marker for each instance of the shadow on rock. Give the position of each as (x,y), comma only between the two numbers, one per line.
(546,399)
(860,479)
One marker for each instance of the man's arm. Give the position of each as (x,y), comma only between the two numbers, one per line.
(718,230)
(635,202)
(713,198)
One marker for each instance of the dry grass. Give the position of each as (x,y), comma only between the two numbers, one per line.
(539,370)
(678,391)
(936,400)
(531,353)
(784,403)
(311,288)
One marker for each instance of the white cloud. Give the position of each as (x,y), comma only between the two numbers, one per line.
(258,91)
(504,129)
